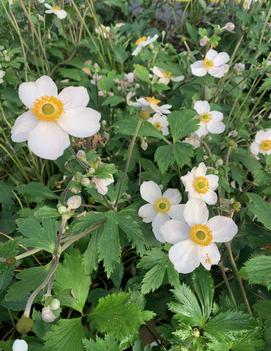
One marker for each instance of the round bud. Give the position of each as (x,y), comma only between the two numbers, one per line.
(19,345)
(47,315)
(74,202)
(81,154)
(62,209)
(24,325)
(229,26)
(203,41)
(55,304)
(85,181)
(10,261)
(196,333)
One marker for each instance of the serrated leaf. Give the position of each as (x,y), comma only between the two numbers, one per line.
(46,212)
(65,335)
(128,127)
(99,344)
(38,235)
(36,192)
(142,73)
(260,208)
(90,256)
(182,123)
(72,283)
(258,270)
(113,100)
(117,315)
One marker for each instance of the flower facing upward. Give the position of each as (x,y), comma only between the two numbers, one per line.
(160,207)
(19,345)
(262,143)
(164,76)
(148,105)
(214,63)
(194,238)
(52,117)
(201,186)
(56,10)
(142,42)
(160,122)
(210,121)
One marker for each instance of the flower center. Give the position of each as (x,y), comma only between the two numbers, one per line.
(152,100)
(205,117)
(265,145)
(140,40)
(144,114)
(201,185)
(56,8)
(48,108)
(158,125)
(167,74)
(162,205)
(208,63)
(201,234)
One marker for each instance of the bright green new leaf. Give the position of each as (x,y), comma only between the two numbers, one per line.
(258,270)
(261,209)
(99,344)
(182,123)
(142,73)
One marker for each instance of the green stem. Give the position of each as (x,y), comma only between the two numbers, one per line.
(225,278)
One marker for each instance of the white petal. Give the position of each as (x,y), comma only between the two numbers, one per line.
(147,213)
(174,231)
(177,79)
(61,14)
(157,72)
(30,91)
(215,127)
(195,212)
(185,256)
(213,181)
(202,131)
(176,212)
(80,122)
(150,191)
(218,72)
(217,116)
(187,180)
(209,255)
(19,345)
(210,197)
(262,135)
(74,97)
(157,223)
(211,54)
(223,228)
(198,69)
(47,140)
(221,59)
(23,126)
(202,106)
(173,195)
(200,170)
(254,148)
(102,184)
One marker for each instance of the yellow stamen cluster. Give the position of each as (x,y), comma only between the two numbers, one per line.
(152,100)
(205,117)
(208,63)
(56,8)
(144,114)
(201,234)
(265,145)
(167,74)
(140,40)
(201,185)
(48,108)
(162,205)
(158,125)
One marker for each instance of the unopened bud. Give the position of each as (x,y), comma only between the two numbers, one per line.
(74,202)
(144,145)
(24,325)
(239,67)
(62,209)
(81,154)
(10,261)
(55,304)
(196,333)
(229,27)
(85,181)
(203,41)
(19,345)
(47,315)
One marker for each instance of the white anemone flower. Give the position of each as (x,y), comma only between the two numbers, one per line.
(148,105)
(19,345)
(160,122)
(142,42)
(101,184)
(160,207)
(165,77)
(214,63)
(210,121)
(56,10)
(262,143)
(199,185)
(194,238)
(52,117)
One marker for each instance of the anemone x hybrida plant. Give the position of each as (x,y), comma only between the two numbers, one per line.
(52,117)
(214,64)
(143,42)
(261,143)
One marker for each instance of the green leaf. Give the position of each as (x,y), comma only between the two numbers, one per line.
(167,155)
(113,100)
(128,127)
(118,315)
(46,212)
(36,192)
(261,209)
(42,236)
(182,123)
(99,344)
(72,282)
(90,257)
(106,83)
(109,243)
(65,335)
(258,270)
(142,73)
(187,307)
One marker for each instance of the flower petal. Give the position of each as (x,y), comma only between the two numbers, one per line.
(200,170)
(254,148)
(195,212)
(147,213)
(221,59)
(202,106)
(174,231)
(216,127)
(74,97)
(223,228)
(173,195)
(217,116)
(209,255)
(219,71)
(211,54)
(198,69)
(202,131)
(210,197)
(150,191)
(23,126)
(213,181)
(176,212)
(185,256)
(157,223)
(80,122)
(47,140)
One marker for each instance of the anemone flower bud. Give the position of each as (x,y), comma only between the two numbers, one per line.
(74,202)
